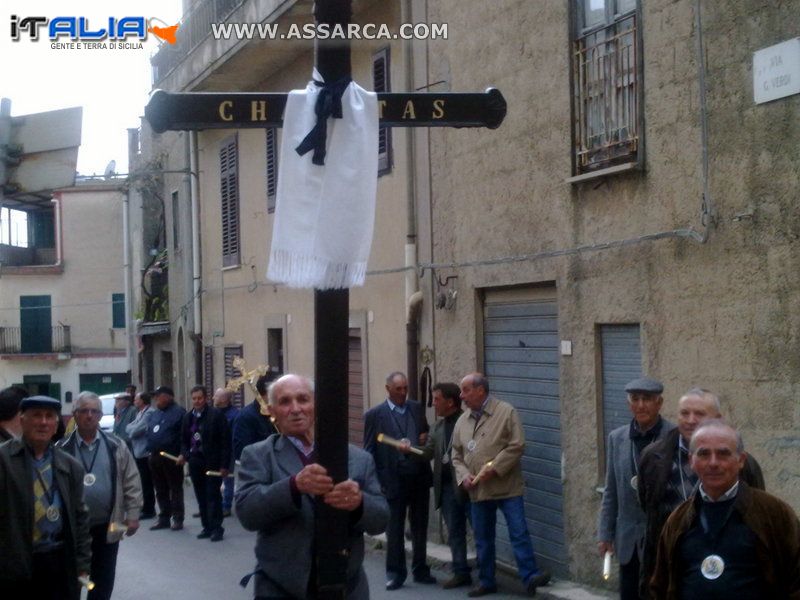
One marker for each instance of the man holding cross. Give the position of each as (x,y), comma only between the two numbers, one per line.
(279,480)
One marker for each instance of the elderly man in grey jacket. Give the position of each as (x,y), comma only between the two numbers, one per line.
(279,478)
(621,523)
(111,489)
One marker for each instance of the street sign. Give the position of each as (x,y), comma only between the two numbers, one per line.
(776,71)
(215,110)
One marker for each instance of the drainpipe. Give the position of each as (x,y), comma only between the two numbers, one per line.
(126,268)
(412,294)
(194,193)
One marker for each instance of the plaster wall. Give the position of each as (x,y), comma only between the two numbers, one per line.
(722,315)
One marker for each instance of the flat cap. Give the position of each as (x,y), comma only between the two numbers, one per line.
(163,389)
(40,402)
(645,385)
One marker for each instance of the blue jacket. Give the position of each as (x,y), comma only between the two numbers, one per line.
(164,429)
(250,427)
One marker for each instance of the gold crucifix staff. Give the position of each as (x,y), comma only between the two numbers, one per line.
(250,378)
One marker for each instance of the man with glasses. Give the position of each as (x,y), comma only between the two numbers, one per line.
(112,489)
(621,524)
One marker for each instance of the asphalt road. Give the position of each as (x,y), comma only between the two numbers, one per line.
(174,565)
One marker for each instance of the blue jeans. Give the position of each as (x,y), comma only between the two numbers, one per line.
(484,519)
(227,493)
(456,510)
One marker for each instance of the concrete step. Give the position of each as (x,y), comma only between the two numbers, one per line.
(559,589)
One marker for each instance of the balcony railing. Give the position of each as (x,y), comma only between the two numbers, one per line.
(606,95)
(23,340)
(195,26)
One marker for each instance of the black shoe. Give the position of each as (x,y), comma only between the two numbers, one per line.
(226,513)
(457,580)
(480,590)
(176,525)
(394,584)
(428,579)
(147,515)
(203,535)
(196,515)
(217,535)
(160,524)
(538,580)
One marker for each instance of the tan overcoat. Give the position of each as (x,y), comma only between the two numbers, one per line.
(496,436)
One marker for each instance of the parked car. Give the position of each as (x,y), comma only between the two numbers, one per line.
(107,420)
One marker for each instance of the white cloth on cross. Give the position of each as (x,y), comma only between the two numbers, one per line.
(324,214)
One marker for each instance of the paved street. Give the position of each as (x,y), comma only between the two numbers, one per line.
(171,565)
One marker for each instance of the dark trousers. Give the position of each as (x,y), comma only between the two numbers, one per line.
(168,481)
(629,579)
(207,492)
(412,499)
(149,506)
(49,580)
(455,510)
(104,563)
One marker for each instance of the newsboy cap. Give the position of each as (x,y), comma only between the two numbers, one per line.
(163,389)
(645,385)
(40,402)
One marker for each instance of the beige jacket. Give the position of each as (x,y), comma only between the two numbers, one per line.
(498,437)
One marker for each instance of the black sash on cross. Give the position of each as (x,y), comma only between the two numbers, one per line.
(198,111)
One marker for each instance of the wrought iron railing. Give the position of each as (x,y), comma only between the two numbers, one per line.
(195,26)
(22,340)
(606,67)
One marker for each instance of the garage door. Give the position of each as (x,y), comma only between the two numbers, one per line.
(520,337)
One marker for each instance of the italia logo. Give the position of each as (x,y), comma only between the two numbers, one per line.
(79,29)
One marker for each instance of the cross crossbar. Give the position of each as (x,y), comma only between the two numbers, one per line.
(225,110)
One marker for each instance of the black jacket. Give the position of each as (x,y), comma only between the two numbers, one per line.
(215,438)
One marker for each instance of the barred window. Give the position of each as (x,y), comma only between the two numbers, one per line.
(607,58)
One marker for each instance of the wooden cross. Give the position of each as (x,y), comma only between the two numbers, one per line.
(196,111)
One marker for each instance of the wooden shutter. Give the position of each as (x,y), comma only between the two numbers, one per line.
(272,167)
(381,83)
(208,368)
(229,195)
(232,352)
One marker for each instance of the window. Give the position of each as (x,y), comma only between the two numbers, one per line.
(272,167)
(232,352)
(229,195)
(118,311)
(175,219)
(381,83)
(607,58)
(14,227)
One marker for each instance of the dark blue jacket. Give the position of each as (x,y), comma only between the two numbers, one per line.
(250,427)
(164,429)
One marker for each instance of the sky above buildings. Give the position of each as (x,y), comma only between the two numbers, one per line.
(111,84)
